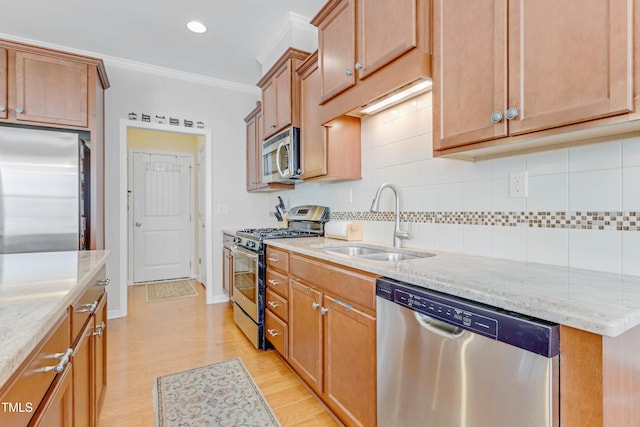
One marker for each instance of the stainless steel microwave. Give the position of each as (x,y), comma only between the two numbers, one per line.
(281,157)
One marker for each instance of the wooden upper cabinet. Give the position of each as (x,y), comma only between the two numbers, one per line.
(569,61)
(368,49)
(386,30)
(501,69)
(4,104)
(281,94)
(337,49)
(470,71)
(332,151)
(51,90)
(253,151)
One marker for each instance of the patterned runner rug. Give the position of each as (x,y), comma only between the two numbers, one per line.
(221,394)
(159,291)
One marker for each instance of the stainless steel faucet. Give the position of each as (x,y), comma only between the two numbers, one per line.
(398,234)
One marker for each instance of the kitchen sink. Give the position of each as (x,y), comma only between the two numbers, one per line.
(377,253)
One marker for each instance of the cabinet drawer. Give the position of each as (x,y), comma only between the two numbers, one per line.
(354,286)
(84,306)
(278,260)
(31,384)
(278,305)
(278,283)
(277,333)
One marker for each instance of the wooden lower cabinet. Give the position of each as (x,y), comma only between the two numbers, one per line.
(57,409)
(83,377)
(350,362)
(99,338)
(333,349)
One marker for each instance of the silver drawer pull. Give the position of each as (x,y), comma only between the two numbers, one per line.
(99,330)
(273,332)
(324,311)
(63,360)
(104,282)
(274,282)
(90,308)
(273,304)
(314,306)
(272,259)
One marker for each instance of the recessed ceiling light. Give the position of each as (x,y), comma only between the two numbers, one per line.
(196,27)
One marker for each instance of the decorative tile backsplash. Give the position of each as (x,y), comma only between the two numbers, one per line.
(612,221)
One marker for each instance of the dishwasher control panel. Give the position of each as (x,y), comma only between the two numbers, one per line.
(456,316)
(535,335)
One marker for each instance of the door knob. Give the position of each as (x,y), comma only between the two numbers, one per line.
(19,110)
(496,117)
(138,224)
(512,113)
(358,65)
(348,72)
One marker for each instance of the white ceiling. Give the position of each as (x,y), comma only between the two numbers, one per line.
(154,31)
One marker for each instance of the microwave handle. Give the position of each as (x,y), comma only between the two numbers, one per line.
(282,145)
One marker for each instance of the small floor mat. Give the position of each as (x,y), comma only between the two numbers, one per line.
(162,291)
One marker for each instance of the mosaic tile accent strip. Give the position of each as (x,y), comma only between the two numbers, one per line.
(613,221)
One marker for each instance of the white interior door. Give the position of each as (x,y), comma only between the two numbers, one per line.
(202,197)
(162,232)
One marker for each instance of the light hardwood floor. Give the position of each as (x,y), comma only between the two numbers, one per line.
(159,338)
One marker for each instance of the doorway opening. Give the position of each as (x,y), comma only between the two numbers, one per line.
(200,212)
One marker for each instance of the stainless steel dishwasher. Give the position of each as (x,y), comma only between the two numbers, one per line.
(448,362)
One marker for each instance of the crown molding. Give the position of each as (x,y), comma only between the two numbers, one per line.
(290,22)
(143,67)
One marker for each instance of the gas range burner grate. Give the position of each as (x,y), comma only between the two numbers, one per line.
(266,233)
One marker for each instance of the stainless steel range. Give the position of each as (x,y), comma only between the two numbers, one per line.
(249,289)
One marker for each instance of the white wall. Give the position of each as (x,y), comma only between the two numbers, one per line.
(397,148)
(222,110)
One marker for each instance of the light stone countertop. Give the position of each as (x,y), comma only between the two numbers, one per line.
(35,291)
(603,303)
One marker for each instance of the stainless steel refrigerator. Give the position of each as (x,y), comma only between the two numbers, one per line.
(43,205)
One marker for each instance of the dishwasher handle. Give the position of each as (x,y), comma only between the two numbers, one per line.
(438,327)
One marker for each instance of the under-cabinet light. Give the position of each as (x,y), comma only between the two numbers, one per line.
(196,27)
(397,97)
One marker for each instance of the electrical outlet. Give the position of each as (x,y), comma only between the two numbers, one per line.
(518,184)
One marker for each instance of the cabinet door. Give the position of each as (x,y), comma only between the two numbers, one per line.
(283,96)
(251,155)
(337,50)
(51,90)
(314,149)
(386,30)
(569,61)
(305,333)
(470,71)
(258,151)
(100,355)
(56,409)
(350,362)
(226,270)
(4,104)
(269,109)
(83,378)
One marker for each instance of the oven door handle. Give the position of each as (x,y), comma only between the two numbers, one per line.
(238,251)
(278,165)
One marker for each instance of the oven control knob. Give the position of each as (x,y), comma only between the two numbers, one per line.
(251,244)
(236,240)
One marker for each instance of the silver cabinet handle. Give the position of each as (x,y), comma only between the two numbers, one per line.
(272,259)
(496,117)
(274,282)
(324,311)
(273,125)
(63,360)
(273,304)
(314,305)
(2,108)
(273,332)
(358,65)
(348,73)
(104,282)
(19,110)
(90,308)
(512,113)
(138,224)
(100,330)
